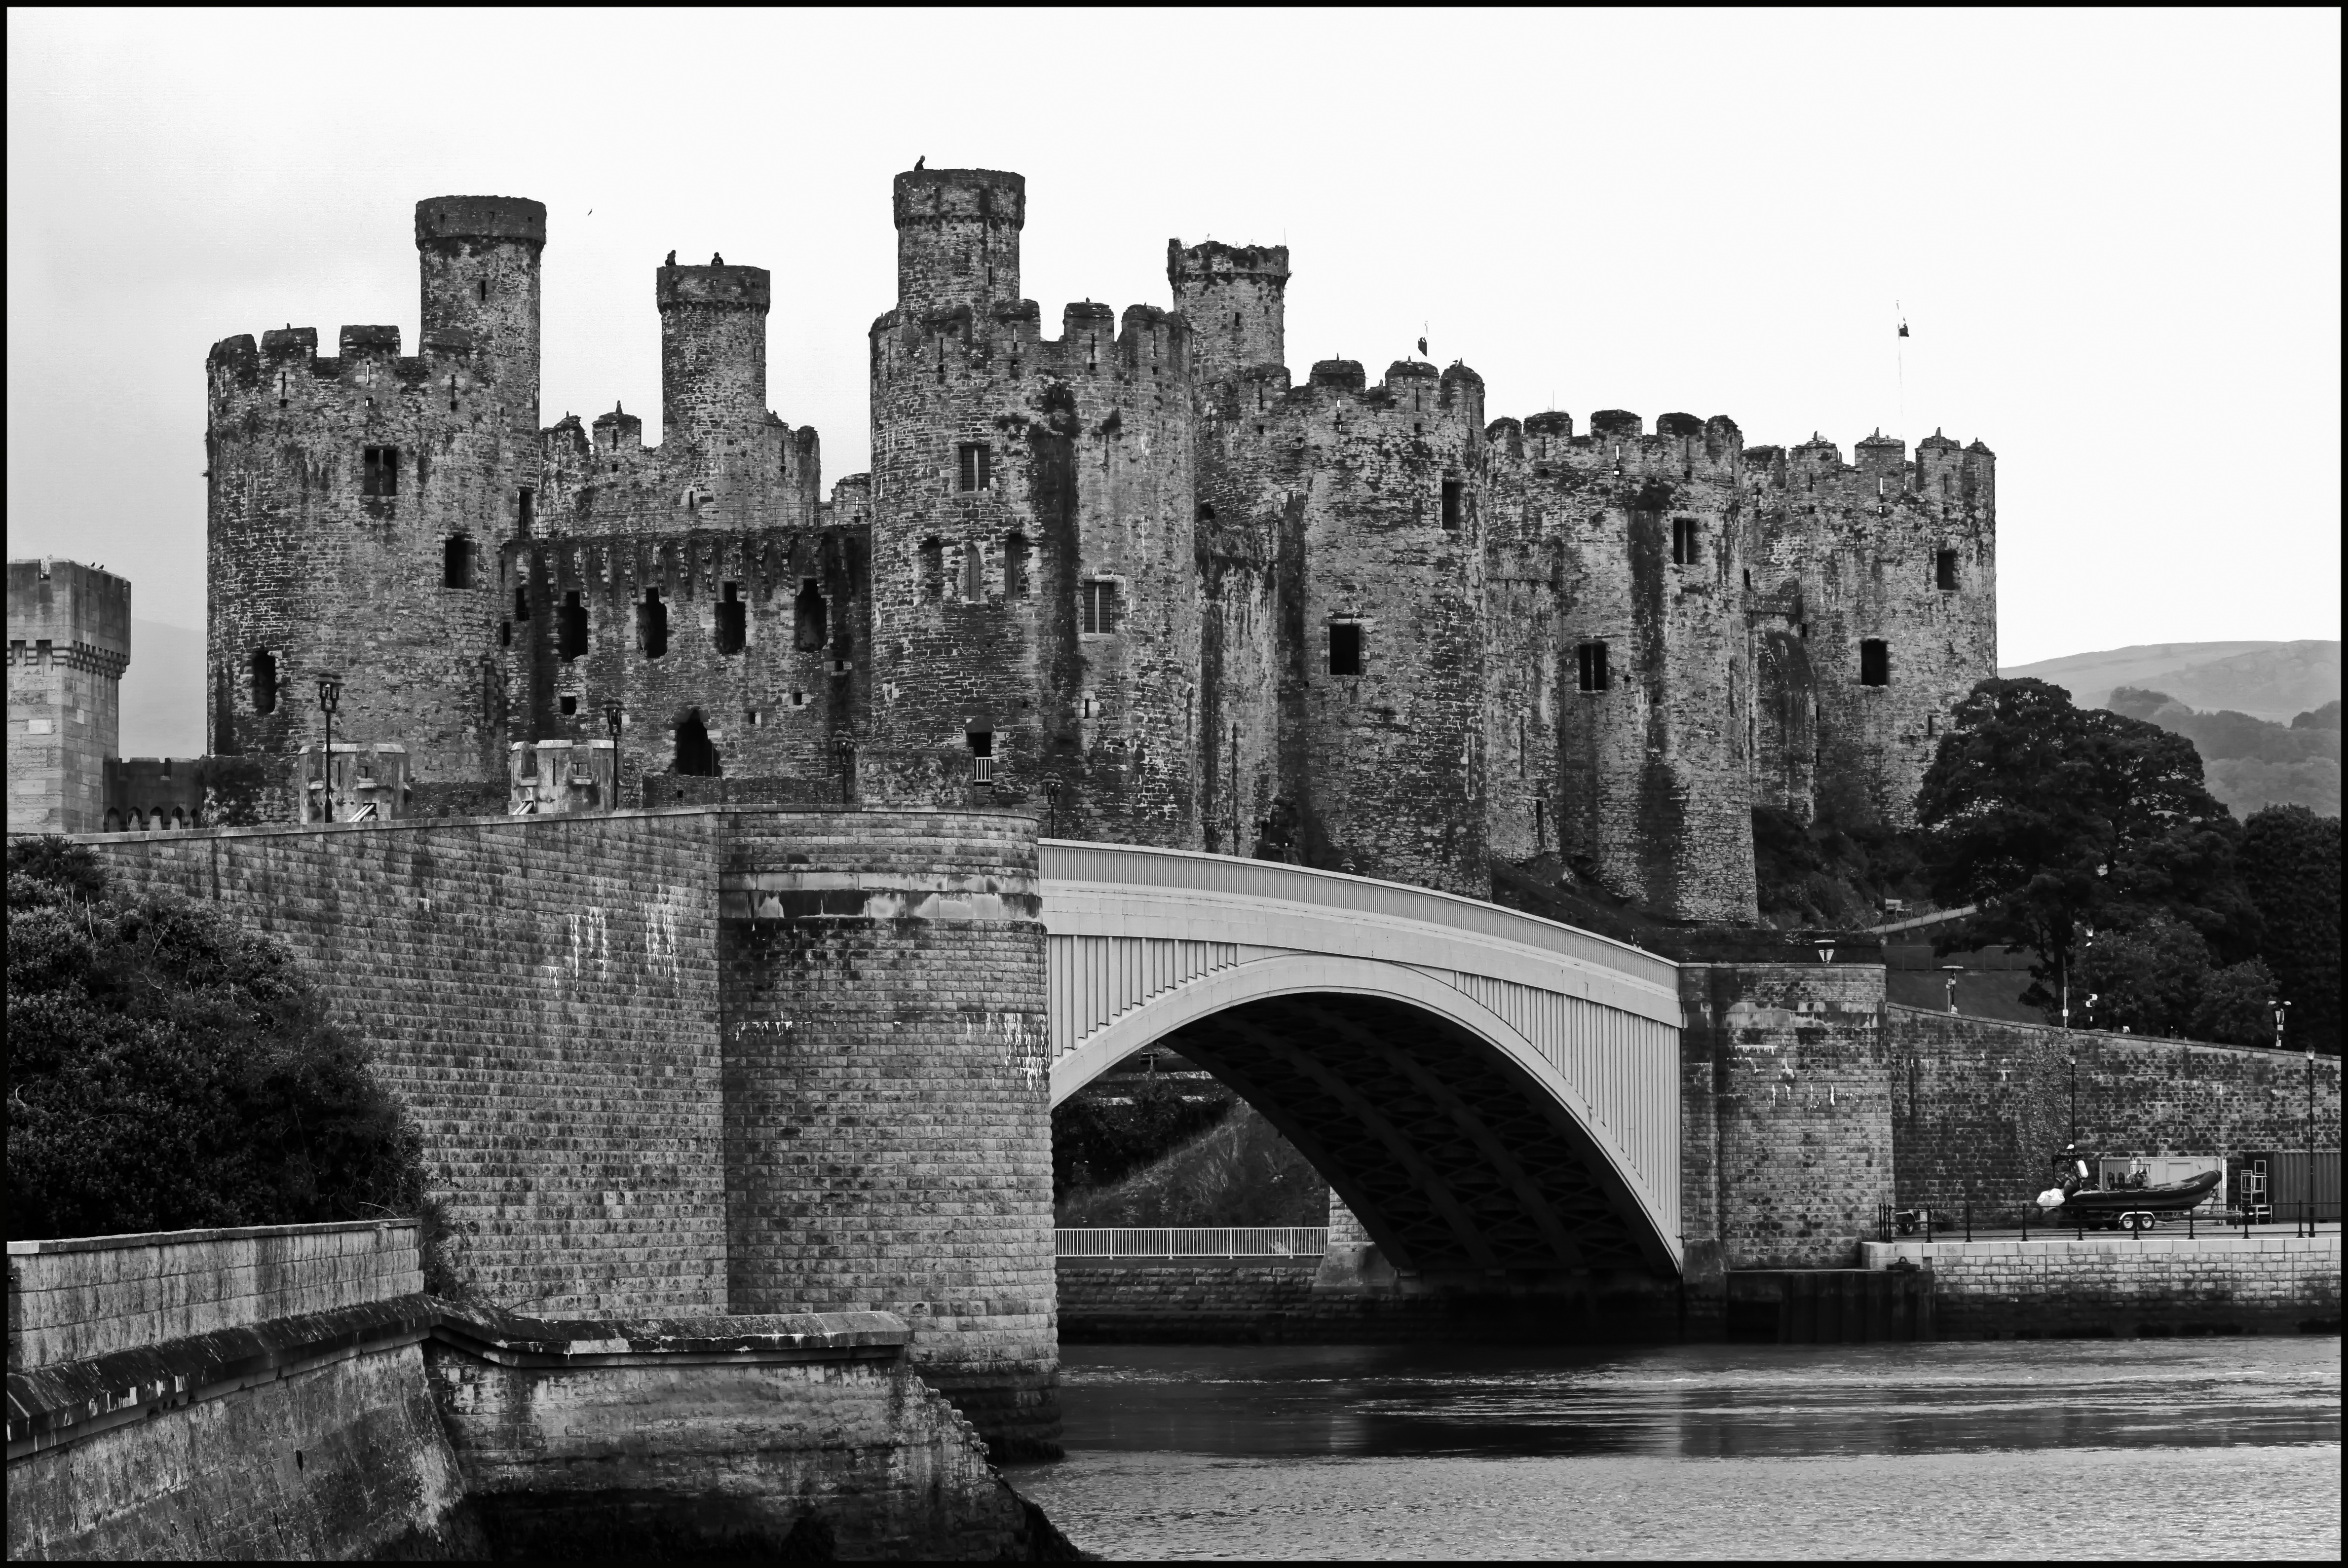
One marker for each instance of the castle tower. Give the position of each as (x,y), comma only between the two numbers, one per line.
(356,502)
(68,644)
(1384,718)
(1234,298)
(957,238)
(1894,565)
(713,355)
(1655,683)
(1035,614)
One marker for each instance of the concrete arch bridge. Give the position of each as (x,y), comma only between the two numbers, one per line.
(1494,1096)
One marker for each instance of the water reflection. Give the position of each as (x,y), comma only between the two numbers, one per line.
(2205,1448)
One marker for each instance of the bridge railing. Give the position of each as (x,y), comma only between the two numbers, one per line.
(1196,1241)
(1188,871)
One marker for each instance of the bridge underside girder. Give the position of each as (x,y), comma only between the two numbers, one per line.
(1454,1162)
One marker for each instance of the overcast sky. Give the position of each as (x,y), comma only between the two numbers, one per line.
(2116,238)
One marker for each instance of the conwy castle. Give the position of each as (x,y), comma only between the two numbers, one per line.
(1134,577)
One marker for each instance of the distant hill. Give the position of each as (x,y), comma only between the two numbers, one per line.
(2249,761)
(2273,681)
(163,691)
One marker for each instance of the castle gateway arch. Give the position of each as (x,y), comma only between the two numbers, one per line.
(1492,1094)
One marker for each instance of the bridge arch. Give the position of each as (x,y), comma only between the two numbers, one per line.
(1493,1095)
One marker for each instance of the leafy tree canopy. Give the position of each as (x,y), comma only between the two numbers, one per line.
(168,1070)
(2291,862)
(2055,820)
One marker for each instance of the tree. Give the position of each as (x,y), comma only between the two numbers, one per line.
(2291,864)
(2153,973)
(168,1070)
(2052,819)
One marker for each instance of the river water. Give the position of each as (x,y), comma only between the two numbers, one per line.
(2164,1448)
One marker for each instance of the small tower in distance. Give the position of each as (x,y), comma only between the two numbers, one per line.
(68,644)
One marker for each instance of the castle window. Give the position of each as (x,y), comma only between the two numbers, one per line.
(1014,566)
(1344,648)
(933,570)
(1589,660)
(456,561)
(379,471)
(264,680)
(521,604)
(526,508)
(696,755)
(1874,662)
(505,634)
(809,616)
(1102,610)
(1931,725)
(973,571)
(1451,490)
(652,625)
(570,707)
(975,466)
(733,619)
(981,756)
(1945,570)
(571,627)
(1748,577)
(1235,321)
(1686,550)
(1206,512)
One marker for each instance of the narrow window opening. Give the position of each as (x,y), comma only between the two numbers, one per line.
(809,617)
(1102,610)
(571,632)
(1748,578)
(570,707)
(505,634)
(456,561)
(1945,570)
(379,471)
(521,604)
(933,570)
(652,624)
(975,474)
(973,571)
(982,755)
(1931,725)
(696,755)
(525,511)
(1344,648)
(1014,566)
(733,619)
(483,289)
(1686,548)
(1235,321)
(1589,660)
(1874,662)
(1206,511)
(1451,491)
(264,681)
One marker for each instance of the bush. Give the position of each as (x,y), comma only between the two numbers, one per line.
(169,1070)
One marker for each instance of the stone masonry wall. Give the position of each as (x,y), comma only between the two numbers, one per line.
(75,1300)
(2113,1285)
(1803,1105)
(1980,1106)
(543,993)
(888,1136)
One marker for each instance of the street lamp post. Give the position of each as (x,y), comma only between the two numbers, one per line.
(613,715)
(845,748)
(1953,971)
(1052,809)
(330,698)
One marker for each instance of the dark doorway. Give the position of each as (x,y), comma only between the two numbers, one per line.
(695,754)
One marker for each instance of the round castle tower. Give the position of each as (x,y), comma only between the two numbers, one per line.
(1034,618)
(356,504)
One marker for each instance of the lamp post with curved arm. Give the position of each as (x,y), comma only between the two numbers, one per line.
(330,698)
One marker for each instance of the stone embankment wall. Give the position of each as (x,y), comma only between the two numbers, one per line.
(288,1391)
(2123,1284)
(717,1060)
(1979,1106)
(247,1393)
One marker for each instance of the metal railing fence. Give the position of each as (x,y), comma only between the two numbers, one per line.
(1960,1221)
(1196,1241)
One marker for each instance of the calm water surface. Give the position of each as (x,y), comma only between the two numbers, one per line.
(2204,1448)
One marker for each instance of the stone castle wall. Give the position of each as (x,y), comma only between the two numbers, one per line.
(1979,1106)
(1094,575)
